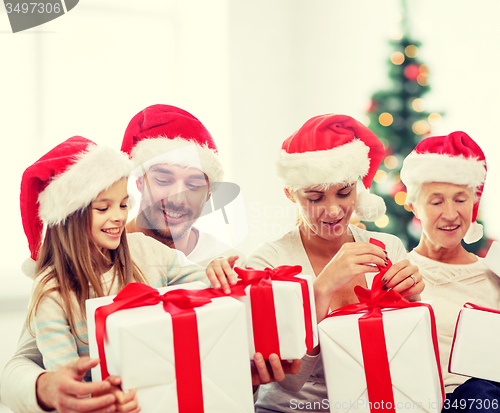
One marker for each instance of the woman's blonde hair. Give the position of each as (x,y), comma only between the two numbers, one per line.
(66,260)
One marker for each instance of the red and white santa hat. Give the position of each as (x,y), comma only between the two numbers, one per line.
(454,159)
(332,149)
(65,180)
(167,134)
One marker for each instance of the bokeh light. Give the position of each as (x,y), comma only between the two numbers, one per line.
(382,222)
(411,51)
(418,105)
(435,119)
(420,127)
(400,198)
(391,162)
(380,176)
(397,58)
(385,119)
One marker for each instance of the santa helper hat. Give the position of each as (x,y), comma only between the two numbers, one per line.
(65,180)
(166,134)
(454,159)
(332,149)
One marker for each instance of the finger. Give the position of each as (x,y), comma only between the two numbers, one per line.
(278,373)
(83,364)
(413,293)
(294,367)
(361,248)
(401,279)
(221,275)
(79,388)
(128,397)
(262,372)
(212,277)
(130,404)
(373,260)
(232,260)
(114,380)
(228,270)
(99,404)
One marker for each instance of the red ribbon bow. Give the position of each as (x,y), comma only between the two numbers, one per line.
(265,329)
(372,337)
(180,305)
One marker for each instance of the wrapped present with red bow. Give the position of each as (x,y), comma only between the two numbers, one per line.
(474,351)
(281,314)
(381,354)
(184,351)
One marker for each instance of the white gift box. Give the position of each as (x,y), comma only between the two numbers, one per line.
(140,350)
(414,369)
(475,345)
(289,315)
(492,259)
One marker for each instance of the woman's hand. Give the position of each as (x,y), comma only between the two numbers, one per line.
(352,260)
(220,272)
(405,279)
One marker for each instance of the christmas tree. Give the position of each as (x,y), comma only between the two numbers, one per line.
(399,118)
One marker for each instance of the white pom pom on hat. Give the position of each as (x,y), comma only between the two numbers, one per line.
(332,149)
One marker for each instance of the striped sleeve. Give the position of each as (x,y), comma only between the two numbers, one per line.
(54,338)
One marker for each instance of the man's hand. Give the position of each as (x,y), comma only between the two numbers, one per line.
(266,372)
(64,390)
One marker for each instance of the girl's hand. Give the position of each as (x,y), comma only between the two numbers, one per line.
(125,402)
(405,279)
(352,260)
(220,272)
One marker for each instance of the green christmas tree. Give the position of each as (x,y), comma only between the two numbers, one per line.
(398,117)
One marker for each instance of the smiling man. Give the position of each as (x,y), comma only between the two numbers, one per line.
(177,165)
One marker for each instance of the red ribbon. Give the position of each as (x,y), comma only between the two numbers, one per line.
(265,330)
(371,330)
(180,305)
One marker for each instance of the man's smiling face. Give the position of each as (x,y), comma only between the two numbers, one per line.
(172,199)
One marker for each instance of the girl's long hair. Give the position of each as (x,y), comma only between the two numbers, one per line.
(66,260)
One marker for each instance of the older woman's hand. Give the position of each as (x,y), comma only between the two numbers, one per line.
(405,279)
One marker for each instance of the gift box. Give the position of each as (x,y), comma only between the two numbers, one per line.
(183,351)
(474,351)
(381,354)
(281,315)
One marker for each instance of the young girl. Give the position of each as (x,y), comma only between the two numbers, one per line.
(79,191)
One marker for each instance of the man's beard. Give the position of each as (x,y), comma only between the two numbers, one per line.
(161,228)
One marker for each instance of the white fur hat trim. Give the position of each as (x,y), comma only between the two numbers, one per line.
(94,171)
(177,151)
(341,164)
(431,167)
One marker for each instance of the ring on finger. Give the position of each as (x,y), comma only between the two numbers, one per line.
(414,280)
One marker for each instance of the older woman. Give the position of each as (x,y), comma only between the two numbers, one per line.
(320,165)
(444,177)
